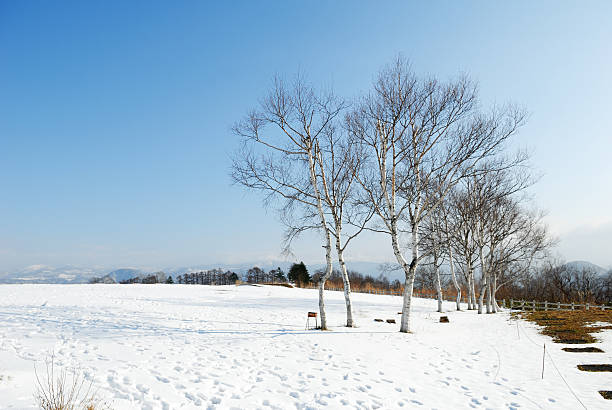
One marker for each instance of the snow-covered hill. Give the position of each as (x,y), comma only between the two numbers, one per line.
(580,265)
(52,274)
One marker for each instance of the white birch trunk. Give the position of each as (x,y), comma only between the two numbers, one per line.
(495,306)
(481,296)
(483,286)
(471,290)
(409,270)
(409,279)
(347,284)
(454,277)
(328,259)
(473,285)
(328,245)
(469,296)
(489,299)
(438,288)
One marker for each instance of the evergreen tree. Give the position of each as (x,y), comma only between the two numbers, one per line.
(299,274)
(279,275)
(170,281)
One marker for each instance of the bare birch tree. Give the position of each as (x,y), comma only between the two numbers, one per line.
(281,144)
(339,162)
(503,232)
(461,224)
(434,244)
(450,227)
(417,131)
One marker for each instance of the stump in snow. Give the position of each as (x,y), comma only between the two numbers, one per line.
(390,320)
(444,319)
(378,320)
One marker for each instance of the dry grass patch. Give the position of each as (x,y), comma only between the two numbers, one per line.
(595,367)
(607,394)
(285,285)
(573,327)
(582,349)
(60,389)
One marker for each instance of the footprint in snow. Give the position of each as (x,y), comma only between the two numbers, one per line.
(416,402)
(142,389)
(194,399)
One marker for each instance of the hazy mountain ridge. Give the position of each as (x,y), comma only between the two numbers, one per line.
(70,274)
(586,265)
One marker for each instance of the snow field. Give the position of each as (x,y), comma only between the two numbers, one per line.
(189,346)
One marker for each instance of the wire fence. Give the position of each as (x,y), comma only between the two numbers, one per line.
(451,296)
(533,306)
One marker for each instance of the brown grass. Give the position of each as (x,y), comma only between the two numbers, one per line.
(607,394)
(582,349)
(59,389)
(285,285)
(595,367)
(570,326)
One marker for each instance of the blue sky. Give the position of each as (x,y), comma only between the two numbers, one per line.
(115,116)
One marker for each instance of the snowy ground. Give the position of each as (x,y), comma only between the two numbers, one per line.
(181,346)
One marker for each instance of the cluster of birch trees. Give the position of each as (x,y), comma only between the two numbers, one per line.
(415,159)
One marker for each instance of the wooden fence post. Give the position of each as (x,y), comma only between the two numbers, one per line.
(534,306)
(511,302)
(587,306)
(558,305)
(572,305)
(546,305)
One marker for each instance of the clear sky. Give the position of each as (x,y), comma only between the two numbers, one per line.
(115,116)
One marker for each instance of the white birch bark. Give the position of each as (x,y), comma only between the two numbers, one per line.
(410,271)
(454,276)
(328,245)
(484,278)
(489,309)
(350,322)
(471,287)
(473,290)
(439,289)
(469,297)
(481,296)
(495,306)
(328,259)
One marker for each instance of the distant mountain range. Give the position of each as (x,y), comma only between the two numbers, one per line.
(51,274)
(587,265)
(68,274)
